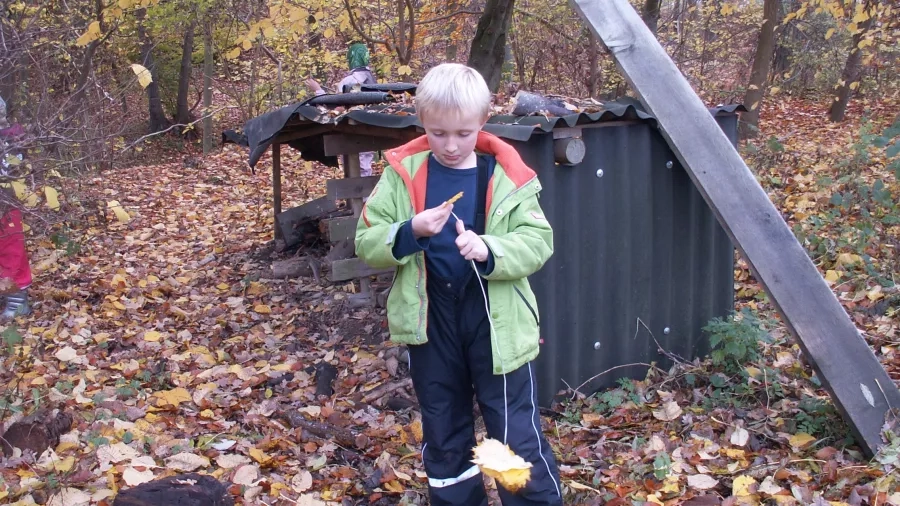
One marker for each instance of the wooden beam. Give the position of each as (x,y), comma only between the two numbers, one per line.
(341,143)
(351,187)
(859,386)
(276,187)
(341,229)
(353,268)
(287,221)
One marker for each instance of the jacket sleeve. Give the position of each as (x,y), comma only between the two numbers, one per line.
(525,248)
(376,230)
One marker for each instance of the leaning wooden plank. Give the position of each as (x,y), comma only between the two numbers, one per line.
(340,143)
(351,187)
(341,229)
(858,384)
(352,268)
(288,220)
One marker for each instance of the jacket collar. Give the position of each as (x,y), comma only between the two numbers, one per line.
(507,157)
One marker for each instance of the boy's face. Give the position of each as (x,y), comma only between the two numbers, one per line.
(452,137)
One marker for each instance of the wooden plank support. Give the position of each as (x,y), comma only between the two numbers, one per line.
(276,187)
(286,221)
(858,384)
(353,268)
(341,143)
(341,229)
(352,187)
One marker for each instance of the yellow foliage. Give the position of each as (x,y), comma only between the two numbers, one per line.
(498,461)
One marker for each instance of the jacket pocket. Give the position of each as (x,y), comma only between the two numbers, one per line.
(528,305)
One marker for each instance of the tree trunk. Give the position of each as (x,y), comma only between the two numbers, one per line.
(594,55)
(852,71)
(207,89)
(182,109)
(650,14)
(158,119)
(762,61)
(489,45)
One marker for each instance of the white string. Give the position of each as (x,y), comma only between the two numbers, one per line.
(494,340)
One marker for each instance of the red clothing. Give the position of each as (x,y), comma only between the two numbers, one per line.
(13,257)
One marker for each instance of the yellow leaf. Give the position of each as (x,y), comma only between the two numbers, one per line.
(259,455)
(875,293)
(262,309)
(21,190)
(234,53)
(144,76)
(173,397)
(120,213)
(92,34)
(743,486)
(52,197)
(727,9)
(152,336)
(65,465)
(774,90)
(854,85)
(125,4)
(223,286)
(654,499)
(404,70)
(498,461)
(848,259)
(829,33)
(246,44)
(329,33)
(801,440)
(394,486)
(832,276)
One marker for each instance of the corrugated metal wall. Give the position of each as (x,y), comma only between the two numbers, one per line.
(638,242)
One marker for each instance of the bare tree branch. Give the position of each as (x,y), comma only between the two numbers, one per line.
(452,14)
(358,29)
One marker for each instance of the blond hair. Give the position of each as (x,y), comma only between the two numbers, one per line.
(453,88)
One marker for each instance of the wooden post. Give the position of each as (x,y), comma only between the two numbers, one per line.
(858,384)
(276,186)
(351,162)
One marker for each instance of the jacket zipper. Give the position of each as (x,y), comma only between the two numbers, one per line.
(533,312)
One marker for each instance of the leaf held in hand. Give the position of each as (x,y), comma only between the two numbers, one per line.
(496,460)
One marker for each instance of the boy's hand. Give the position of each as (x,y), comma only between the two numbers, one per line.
(430,221)
(470,245)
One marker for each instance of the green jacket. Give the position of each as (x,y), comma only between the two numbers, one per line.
(516,232)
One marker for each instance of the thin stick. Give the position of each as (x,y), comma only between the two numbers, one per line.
(576,391)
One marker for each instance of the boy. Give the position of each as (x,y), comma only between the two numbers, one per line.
(457,347)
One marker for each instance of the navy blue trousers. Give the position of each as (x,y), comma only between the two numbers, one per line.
(456,365)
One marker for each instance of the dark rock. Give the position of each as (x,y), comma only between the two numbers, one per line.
(182,490)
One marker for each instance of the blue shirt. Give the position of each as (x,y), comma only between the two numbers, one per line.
(443,258)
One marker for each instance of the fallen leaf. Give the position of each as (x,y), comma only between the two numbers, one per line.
(769,487)
(743,486)
(133,477)
(70,497)
(152,336)
(701,482)
(185,461)
(670,411)
(115,453)
(246,475)
(801,440)
(740,436)
(231,460)
(173,397)
(302,481)
(259,455)
(66,354)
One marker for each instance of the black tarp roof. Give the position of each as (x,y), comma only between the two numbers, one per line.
(380,111)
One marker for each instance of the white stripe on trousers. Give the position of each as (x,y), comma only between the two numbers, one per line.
(537,432)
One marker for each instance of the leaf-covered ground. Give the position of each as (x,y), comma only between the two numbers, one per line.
(167,340)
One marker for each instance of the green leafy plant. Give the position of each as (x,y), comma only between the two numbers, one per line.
(735,340)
